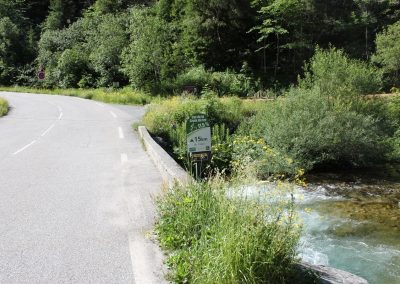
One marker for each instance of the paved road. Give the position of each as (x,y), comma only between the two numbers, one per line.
(75,193)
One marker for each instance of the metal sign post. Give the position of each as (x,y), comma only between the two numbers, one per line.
(198,134)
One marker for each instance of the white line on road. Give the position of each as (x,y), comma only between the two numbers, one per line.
(121,133)
(48,130)
(25,147)
(99,104)
(61,115)
(113,114)
(124,158)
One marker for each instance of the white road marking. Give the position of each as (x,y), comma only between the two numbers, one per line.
(124,158)
(48,130)
(113,114)
(61,115)
(25,147)
(121,133)
(99,104)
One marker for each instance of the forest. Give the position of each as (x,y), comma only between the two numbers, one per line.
(161,46)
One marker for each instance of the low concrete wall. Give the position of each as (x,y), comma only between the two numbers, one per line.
(170,170)
(330,275)
(173,173)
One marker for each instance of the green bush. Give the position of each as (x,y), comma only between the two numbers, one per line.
(71,67)
(160,117)
(167,119)
(3,107)
(335,74)
(267,161)
(215,235)
(314,130)
(222,83)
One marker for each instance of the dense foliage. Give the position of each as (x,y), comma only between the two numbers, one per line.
(325,122)
(237,47)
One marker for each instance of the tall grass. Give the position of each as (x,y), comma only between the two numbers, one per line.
(121,96)
(3,107)
(215,233)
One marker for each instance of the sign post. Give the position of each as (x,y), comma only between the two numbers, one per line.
(198,133)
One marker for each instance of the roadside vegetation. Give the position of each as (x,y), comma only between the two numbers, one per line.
(108,95)
(3,107)
(326,122)
(214,234)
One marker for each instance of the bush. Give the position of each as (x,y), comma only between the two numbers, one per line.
(216,235)
(167,120)
(335,74)
(222,83)
(160,117)
(267,161)
(313,130)
(3,107)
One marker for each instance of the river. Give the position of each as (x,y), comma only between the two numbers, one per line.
(352,224)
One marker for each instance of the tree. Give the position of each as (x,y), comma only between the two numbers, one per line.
(146,61)
(282,25)
(388,52)
(106,39)
(9,45)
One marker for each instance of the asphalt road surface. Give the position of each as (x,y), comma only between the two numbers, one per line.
(76,193)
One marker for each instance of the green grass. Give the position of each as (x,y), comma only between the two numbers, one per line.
(126,96)
(213,238)
(3,107)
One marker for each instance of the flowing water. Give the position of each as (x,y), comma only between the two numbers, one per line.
(352,226)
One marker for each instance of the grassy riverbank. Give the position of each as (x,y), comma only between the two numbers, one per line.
(213,234)
(126,95)
(3,107)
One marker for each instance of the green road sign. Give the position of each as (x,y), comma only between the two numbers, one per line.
(198,134)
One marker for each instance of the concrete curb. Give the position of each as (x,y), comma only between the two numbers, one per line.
(173,173)
(170,170)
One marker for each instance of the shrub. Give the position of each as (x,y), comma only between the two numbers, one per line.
(167,119)
(3,107)
(335,74)
(222,83)
(313,130)
(71,67)
(214,234)
(160,117)
(266,160)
